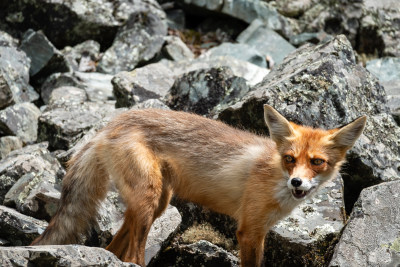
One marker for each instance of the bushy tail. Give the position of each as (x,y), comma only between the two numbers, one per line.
(84,186)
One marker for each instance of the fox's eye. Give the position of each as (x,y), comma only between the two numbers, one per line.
(317,161)
(289,159)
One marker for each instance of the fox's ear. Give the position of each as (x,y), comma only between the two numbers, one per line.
(279,127)
(347,135)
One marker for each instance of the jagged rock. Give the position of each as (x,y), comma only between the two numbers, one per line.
(161,231)
(310,37)
(20,120)
(176,19)
(293,8)
(34,194)
(8,144)
(388,72)
(323,86)
(175,49)
(371,235)
(138,41)
(70,23)
(63,126)
(83,57)
(6,95)
(19,229)
(242,52)
(200,91)
(68,255)
(43,54)
(30,160)
(66,95)
(14,74)
(258,34)
(7,40)
(201,253)
(249,10)
(57,80)
(309,234)
(153,81)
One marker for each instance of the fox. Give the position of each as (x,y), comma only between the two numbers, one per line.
(152,154)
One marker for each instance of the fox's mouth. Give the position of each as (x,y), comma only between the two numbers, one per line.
(299,194)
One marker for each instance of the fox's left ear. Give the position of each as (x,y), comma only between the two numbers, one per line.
(279,127)
(347,135)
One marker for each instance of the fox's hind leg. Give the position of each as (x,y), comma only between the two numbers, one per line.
(139,179)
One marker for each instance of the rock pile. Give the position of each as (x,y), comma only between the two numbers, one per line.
(67,68)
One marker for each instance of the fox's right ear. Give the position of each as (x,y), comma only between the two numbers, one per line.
(346,136)
(279,127)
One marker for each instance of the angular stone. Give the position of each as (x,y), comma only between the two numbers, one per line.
(64,126)
(19,229)
(53,255)
(151,103)
(8,144)
(200,91)
(7,40)
(266,41)
(14,71)
(329,92)
(175,49)
(20,120)
(35,194)
(83,56)
(66,95)
(97,85)
(293,8)
(33,159)
(57,80)
(371,237)
(6,95)
(138,41)
(388,72)
(242,52)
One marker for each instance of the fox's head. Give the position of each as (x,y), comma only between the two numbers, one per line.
(309,156)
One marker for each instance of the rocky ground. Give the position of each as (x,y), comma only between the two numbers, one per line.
(68,67)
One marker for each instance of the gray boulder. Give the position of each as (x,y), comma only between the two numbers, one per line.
(32,161)
(7,40)
(69,255)
(20,120)
(57,80)
(8,144)
(202,90)
(323,86)
(63,126)
(18,229)
(138,41)
(388,72)
(14,77)
(242,52)
(371,234)
(258,35)
(83,56)
(70,23)
(66,95)
(175,49)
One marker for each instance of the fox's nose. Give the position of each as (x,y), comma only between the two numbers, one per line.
(296,182)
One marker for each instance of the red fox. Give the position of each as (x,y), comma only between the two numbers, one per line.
(151,154)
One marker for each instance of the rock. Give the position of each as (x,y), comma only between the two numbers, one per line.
(14,76)
(57,80)
(83,57)
(242,52)
(42,52)
(8,144)
(309,234)
(138,41)
(20,120)
(31,160)
(329,92)
(200,91)
(7,40)
(388,72)
(97,85)
(175,49)
(64,126)
(201,253)
(57,255)
(151,103)
(371,235)
(66,95)
(248,11)
(384,4)
(310,37)
(153,81)
(176,19)
(19,229)
(70,23)
(293,8)
(161,231)
(258,35)
(6,95)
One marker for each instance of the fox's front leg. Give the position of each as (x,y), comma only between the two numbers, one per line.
(251,243)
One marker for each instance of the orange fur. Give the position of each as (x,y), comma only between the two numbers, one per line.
(151,154)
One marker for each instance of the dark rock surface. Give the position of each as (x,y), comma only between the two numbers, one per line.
(70,255)
(371,237)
